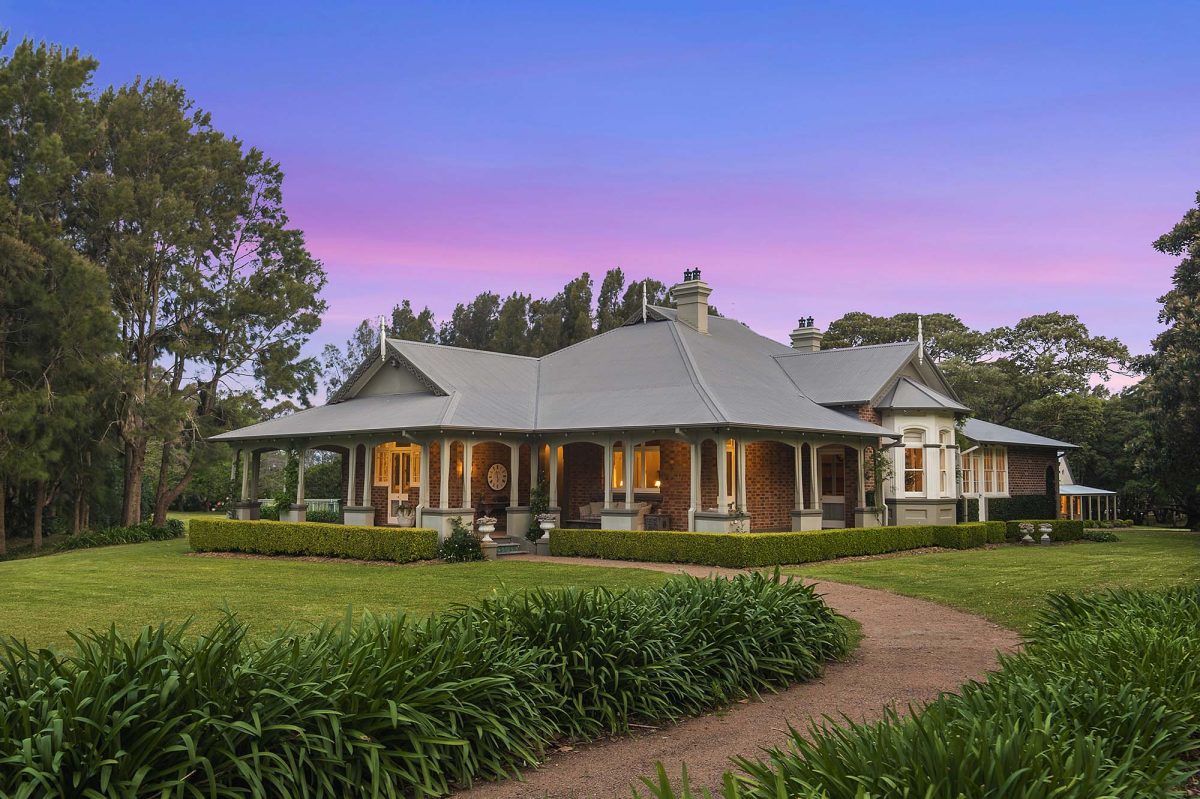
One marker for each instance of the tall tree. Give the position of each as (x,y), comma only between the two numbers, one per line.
(472,325)
(337,363)
(608,302)
(1172,384)
(946,336)
(56,332)
(412,326)
(209,282)
(512,326)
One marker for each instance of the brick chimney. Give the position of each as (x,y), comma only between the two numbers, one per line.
(806,337)
(691,300)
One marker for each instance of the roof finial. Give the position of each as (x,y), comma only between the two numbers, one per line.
(920,340)
(382,338)
(643,302)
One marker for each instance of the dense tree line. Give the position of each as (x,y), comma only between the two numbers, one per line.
(153,292)
(1047,374)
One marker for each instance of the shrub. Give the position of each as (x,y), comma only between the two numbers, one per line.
(997,532)
(388,707)
(1100,536)
(1104,701)
(323,516)
(310,538)
(742,550)
(1061,529)
(269,511)
(1022,506)
(137,534)
(461,545)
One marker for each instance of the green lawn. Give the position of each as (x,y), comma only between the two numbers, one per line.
(138,584)
(1007,584)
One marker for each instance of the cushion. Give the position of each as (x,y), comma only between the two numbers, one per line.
(596,508)
(585,511)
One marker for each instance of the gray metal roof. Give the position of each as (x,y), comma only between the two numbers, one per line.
(662,373)
(988,433)
(847,376)
(1085,491)
(909,395)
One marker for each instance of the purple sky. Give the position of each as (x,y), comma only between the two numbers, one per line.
(989,162)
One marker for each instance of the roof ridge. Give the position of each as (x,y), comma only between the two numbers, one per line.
(407,341)
(698,383)
(847,349)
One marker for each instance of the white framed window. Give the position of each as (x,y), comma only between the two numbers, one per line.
(947,483)
(914,462)
(647,468)
(985,471)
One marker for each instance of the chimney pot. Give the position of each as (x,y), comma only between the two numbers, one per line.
(691,300)
(806,337)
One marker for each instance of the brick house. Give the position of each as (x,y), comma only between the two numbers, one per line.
(677,420)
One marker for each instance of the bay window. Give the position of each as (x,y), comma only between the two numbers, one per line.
(985,471)
(914,462)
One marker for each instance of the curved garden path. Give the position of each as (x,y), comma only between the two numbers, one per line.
(911,651)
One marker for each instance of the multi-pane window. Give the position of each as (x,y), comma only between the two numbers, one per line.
(914,462)
(647,464)
(397,467)
(985,471)
(944,463)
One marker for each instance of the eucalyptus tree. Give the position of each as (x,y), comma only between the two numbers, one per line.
(1171,389)
(213,290)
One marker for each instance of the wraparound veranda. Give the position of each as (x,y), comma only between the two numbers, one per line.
(677,420)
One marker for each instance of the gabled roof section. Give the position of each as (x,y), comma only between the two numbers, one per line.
(848,376)
(370,367)
(983,432)
(862,375)
(909,395)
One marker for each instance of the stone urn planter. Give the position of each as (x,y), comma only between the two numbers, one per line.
(546,522)
(486,525)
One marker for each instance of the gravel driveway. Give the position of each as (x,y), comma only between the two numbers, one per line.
(911,651)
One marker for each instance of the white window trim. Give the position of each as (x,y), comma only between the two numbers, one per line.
(902,467)
(975,488)
(618,476)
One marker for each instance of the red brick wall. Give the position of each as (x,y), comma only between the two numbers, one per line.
(675,496)
(1027,470)
(708,475)
(869,414)
(770,484)
(583,467)
(483,455)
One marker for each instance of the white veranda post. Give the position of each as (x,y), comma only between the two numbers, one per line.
(246,458)
(722,477)
(300,475)
(608,470)
(368,473)
(514,465)
(694,484)
(628,464)
(351,472)
(552,467)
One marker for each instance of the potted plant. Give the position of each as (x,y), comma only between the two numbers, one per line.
(1026,530)
(546,522)
(486,525)
(1045,530)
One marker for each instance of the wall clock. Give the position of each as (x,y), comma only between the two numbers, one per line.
(497,477)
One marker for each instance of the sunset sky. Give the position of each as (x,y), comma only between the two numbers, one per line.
(992,163)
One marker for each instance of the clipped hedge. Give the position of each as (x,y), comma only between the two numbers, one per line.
(1104,701)
(313,538)
(390,707)
(1061,529)
(743,550)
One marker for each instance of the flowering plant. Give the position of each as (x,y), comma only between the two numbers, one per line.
(485,520)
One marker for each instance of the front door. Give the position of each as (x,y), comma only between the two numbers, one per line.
(833,489)
(400,479)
